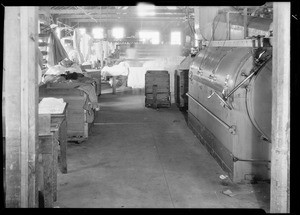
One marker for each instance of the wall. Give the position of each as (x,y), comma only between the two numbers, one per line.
(131,28)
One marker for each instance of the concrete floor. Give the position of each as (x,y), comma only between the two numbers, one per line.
(138,157)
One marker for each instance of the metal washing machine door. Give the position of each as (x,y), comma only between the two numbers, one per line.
(259,100)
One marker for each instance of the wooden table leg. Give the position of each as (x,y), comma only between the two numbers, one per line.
(41,198)
(62,156)
(46,186)
(55,165)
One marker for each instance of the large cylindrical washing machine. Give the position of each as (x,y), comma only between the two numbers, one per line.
(229,108)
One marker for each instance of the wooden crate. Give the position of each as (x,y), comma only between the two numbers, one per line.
(157,89)
(79,120)
(176,87)
(181,81)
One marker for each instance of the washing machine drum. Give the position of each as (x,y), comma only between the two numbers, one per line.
(259,100)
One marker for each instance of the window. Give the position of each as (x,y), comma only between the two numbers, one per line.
(118,33)
(82,31)
(176,38)
(149,37)
(98,33)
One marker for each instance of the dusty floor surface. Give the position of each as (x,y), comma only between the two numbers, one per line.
(138,157)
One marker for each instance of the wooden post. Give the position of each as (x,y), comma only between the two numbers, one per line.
(20,67)
(63,148)
(228,24)
(46,186)
(213,31)
(12,107)
(280,156)
(245,22)
(114,84)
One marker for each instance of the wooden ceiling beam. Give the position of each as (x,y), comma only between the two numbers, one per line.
(129,16)
(73,11)
(128,20)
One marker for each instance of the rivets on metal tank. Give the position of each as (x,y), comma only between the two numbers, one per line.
(212,78)
(226,80)
(200,72)
(232,129)
(244,74)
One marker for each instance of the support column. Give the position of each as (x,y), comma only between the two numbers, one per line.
(245,13)
(280,157)
(114,84)
(21,105)
(228,25)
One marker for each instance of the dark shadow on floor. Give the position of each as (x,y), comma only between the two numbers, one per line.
(184,113)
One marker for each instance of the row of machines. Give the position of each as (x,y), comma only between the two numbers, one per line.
(227,93)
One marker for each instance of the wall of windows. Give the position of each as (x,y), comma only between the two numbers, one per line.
(118,33)
(149,37)
(98,33)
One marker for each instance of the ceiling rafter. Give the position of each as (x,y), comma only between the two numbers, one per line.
(119,14)
(130,20)
(76,11)
(129,16)
(87,14)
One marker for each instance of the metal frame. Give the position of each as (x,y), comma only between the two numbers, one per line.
(256,42)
